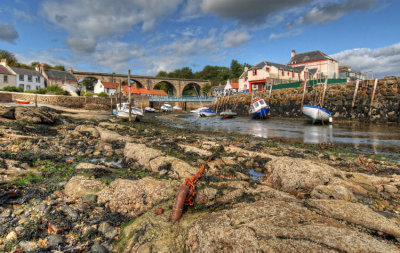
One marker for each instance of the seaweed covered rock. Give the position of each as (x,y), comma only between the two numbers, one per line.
(79,186)
(7,112)
(35,115)
(134,197)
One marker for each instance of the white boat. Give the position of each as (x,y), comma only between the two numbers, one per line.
(123,111)
(199,109)
(317,113)
(207,113)
(177,108)
(149,109)
(227,114)
(166,108)
(259,109)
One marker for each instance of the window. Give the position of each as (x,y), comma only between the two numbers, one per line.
(268,70)
(28,87)
(29,78)
(254,72)
(21,85)
(293,74)
(283,73)
(21,77)
(262,102)
(5,79)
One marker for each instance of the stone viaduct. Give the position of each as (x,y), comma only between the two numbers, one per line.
(147,82)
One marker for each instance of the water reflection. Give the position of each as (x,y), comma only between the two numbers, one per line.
(375,138)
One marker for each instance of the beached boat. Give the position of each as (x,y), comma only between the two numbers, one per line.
(258,109)
(20,101)
(207,113)
(149,109)
(317,113)
(123,111)
(198,109)
(166,108)
(227,114)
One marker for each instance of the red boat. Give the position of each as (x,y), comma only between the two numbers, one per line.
(21,101)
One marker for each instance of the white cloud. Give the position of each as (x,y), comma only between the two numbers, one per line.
(289,33)
(235,38)
(52,57)
(382,61)
(8,33)
(91,20)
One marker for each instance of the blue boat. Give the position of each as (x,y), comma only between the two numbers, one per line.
(259,109)
(207,113)
(317,113)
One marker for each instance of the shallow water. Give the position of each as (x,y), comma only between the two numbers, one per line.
(366,137)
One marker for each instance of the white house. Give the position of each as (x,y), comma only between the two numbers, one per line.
(63,79)
(324,64)
(28,79)
(107,87)
(7,77)
(231,87)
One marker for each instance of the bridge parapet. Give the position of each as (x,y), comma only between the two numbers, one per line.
(181,99)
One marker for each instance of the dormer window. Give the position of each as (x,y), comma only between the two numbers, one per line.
(254,72)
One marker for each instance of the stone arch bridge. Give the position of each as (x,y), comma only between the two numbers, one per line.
(147,82)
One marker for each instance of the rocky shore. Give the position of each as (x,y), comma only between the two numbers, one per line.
(87,184)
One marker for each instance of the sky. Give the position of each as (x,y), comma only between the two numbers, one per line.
(148,36)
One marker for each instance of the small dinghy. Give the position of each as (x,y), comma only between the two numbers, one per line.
(228,114)
(259,109)
(177,108)
(207,113)
(20,101)
(149,109)
(123,111)
(317,113)
(198,109)
(166,108)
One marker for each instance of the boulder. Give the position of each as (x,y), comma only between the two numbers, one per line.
(111,136)
(91,130)
(79,186)
(35,115)
(141,153)
(7,112)
(134,197)
(201,152)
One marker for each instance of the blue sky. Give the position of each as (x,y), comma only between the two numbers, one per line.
(147,36)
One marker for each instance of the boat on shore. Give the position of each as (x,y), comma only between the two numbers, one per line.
(166,108)
(317,113)
(177,108)
(198,109)
(259,109)
(207,113)
(228,114)
(123,111)
(149,109)
(20,101)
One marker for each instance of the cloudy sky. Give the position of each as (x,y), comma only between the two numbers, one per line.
(152,35)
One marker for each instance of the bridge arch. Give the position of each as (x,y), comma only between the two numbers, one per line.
(134,82)
(192,89)
(166,86)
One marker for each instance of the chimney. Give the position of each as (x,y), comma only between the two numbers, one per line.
(293,53)
(246,69)
(3,62)
(70,70)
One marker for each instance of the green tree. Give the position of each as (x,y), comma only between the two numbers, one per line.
(11,60)
(206,88)
(88,83)
(59,67)
(236,69)
(162,74)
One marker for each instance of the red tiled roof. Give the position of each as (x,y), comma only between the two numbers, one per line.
(4,70)
(110,85)
(135,90)
(235,85)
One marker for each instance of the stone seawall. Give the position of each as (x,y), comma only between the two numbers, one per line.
(69,101)
(338,99)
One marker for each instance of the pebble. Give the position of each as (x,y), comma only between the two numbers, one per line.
(97,248)
(6,213)
(28,246)
(108,230)
(70,212)
(12,236)
(90,198)
(55,240)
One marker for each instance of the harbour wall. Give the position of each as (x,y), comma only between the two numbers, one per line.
(338,99)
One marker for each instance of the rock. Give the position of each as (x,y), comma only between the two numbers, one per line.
(35,115)
(357,214)
(141,153)
(91,130)
(133,197)
(110,136)
(230,161)
(55,240)
(332,192)
(12,236)
(108,230)
(79,186)
(97,248)
(70,212)
(6,213)
(7,112)
(28,246)
(90,198)
(196,150)
(89,166)
(174,167)
(277,226)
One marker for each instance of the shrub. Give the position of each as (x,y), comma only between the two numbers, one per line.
(102,94)
(13,89)
(39,91)
(89,94)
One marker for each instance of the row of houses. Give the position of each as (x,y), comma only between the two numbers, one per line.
(111,88)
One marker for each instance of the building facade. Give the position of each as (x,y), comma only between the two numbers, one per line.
(346,72)
(28,79)
(107,87)
(62,79)
(7,77)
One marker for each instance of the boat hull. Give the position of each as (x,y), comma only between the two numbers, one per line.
(260,114)
(316,113)
(228,115)
(207,114)
(21,101)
